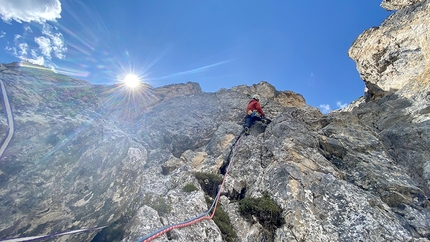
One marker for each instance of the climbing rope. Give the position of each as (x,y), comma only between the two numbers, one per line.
(203,216)
(33,238)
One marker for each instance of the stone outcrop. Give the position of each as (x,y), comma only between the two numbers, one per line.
(84,156)
(65,163)
(395,54)
(397,4)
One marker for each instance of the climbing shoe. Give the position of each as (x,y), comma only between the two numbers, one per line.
(266,121)
(246,131)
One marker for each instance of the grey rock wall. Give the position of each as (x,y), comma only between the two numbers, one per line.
(84,156)
(395,54)
(397,4)
(66,167)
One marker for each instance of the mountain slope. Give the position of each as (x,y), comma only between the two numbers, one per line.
(85,156)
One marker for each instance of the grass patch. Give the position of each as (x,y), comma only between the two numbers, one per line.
(268,213)
(209,183)
(158,203)
(189,188)
(222,220)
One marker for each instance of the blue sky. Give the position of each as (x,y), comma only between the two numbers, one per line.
(294,45)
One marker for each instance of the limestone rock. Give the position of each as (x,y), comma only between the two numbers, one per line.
(177,90)
(396,53)
(344,176)
(265,90)
(397,4)
(84,156)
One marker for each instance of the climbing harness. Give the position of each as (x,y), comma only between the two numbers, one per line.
(203,216)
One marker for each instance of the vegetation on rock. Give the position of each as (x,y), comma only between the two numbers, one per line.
(209,183)
(267,212)
(222,220)
(189,188)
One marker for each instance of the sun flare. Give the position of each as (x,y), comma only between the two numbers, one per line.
(131,81)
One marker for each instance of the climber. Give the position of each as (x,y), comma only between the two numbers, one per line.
(254,112)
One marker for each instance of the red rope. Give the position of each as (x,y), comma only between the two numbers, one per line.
(181,225)
(176,227)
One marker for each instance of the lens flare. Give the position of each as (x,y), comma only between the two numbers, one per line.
(131,81)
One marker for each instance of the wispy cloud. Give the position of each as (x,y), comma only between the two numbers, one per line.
(56,39)
(28,29)
(38,11)
(341,105)
(325,108)
(194,71)
(23,52)
(41,47)
(44,45)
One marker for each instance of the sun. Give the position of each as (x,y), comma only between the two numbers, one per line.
(131,81)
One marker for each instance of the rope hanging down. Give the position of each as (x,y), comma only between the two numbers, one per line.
(203,216)
(33,238)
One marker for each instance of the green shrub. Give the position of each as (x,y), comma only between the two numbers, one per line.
(161,206)
(209,182)
(158,204)
(222,220)
(189,188)
(268,213)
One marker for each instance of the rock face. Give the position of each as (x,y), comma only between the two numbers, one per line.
(395,54)
(398,4)
(84,156)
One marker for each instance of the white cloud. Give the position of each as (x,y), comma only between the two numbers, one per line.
(2,34)
(38,47)
(341,105)
(325,108)
(22,49)
(42,55)
(28,29)
(36,58)
(30,10)
(17,37)
(56,40)
(44,45)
